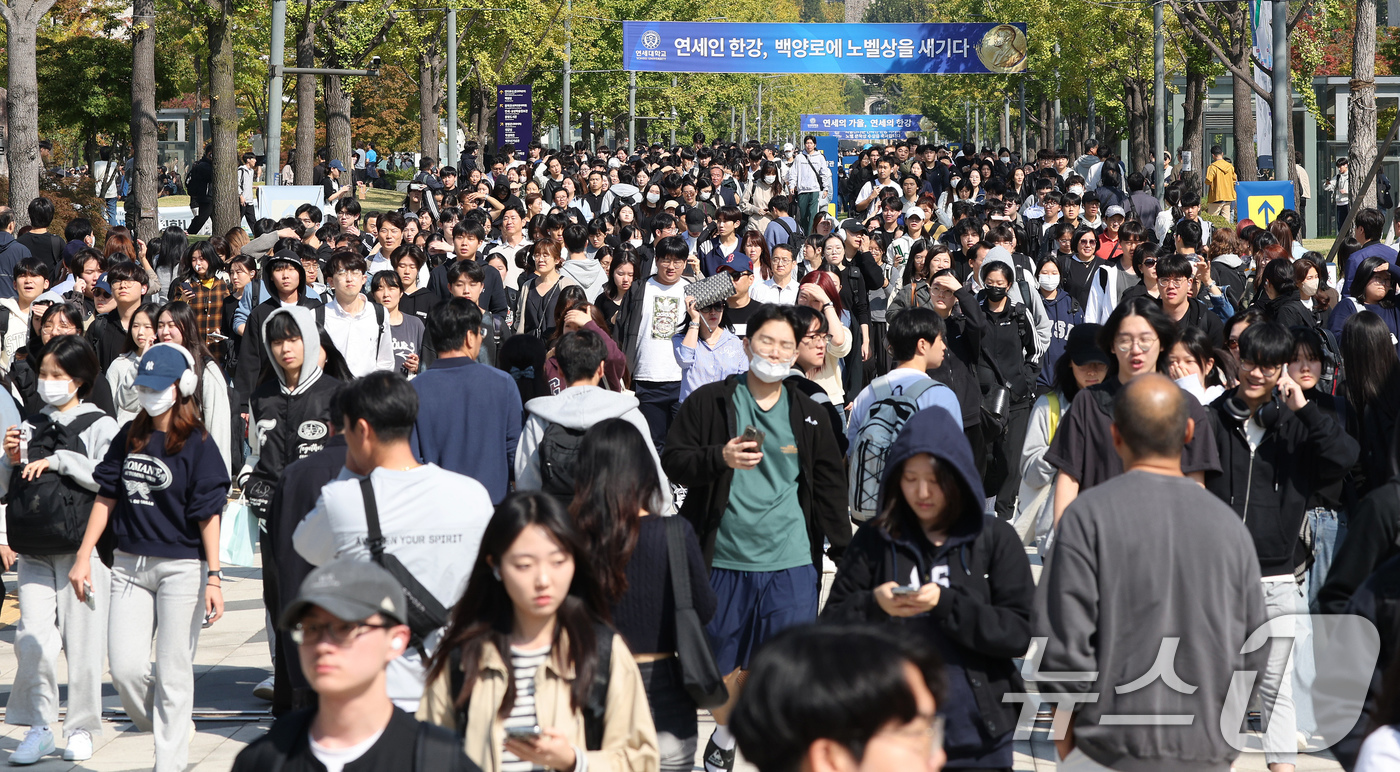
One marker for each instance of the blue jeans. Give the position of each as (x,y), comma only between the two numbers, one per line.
(1328,527)
(114,213)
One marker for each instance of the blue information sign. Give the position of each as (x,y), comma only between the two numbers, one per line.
(886,124)
(880,49)
(513,117)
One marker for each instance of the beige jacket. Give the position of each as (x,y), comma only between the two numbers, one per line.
(629,737)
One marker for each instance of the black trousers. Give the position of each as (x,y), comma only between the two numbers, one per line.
(1003,475)
(202,213)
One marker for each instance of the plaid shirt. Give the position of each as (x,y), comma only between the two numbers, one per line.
(208,306)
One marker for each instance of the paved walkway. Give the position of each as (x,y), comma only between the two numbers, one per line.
(233,657)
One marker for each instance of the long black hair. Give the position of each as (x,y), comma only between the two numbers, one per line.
(1368,355)
(485,614)
(1362,277)
(614,480)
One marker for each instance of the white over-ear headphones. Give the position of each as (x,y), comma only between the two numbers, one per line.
(189,379)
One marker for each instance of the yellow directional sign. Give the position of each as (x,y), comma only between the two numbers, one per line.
(1262,201)
(1263,209)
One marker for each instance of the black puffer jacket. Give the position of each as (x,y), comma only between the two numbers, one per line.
(983,617)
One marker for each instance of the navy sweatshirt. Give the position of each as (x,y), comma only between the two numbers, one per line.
(162,499)
(469,417)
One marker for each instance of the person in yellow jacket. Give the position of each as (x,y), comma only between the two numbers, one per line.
(514,671)
(1220,179)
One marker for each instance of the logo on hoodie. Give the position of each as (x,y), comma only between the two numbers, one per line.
(312,430)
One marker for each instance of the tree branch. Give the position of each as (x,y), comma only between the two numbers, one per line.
(1219,54)
(534,51)
(1297,17)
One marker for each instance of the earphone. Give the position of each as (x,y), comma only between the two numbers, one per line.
(189,381)
(496,572)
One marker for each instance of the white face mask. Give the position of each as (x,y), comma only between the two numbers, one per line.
(155,402)
(1309,288)
(1050,282)
(769,179)
(56,393)
(1077,190)
(767,370)
(652,198)
(705,196)
(635,242)
(1006,159)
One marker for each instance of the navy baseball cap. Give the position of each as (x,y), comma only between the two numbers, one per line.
(337,165)
(737,262)
(161,366)
(350,590)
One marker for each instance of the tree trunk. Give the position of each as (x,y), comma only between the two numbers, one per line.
(197,131)
(223,118)
(1361,106)
(585,128)
(1194,132)
(337,121)
(430,99)
(1139,123)
(306,101)
(141,203)
(1046,135)
(1246,154)
(22,102)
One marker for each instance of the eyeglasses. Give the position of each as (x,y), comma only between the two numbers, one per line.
(1233,344)
(1268,371)
(816,337)
(102,294)
(339,632)
(354,273)
(1124,344)
(671,260)
(1150,262)
(923,740)
(1174,282)
(782,261)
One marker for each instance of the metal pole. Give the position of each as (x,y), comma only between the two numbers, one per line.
(1283,165)
(673,111)
(744,137)
(977,127)
(451,89)
(731,125)
(566,131)
(1159,99)
(1093,130)
(274,92)
(760,111)
(632,111)
(1055,132)
(1023,121)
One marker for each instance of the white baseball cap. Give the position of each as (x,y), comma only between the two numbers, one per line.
(787,147)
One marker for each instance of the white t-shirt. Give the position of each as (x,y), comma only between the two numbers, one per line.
(335,759)
(870,187)
(663,314)
(1381,751)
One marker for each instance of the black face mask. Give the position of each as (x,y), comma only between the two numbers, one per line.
(996,294)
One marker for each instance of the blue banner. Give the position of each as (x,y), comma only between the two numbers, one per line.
(871,49)
(886,124)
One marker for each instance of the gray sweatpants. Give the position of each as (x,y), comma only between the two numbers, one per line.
(52,618)
(164,596)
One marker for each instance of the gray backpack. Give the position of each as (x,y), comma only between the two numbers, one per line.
(886,417)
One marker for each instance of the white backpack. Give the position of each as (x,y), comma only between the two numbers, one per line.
(886,417)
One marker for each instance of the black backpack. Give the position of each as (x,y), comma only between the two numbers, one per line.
(795,238)
(558,455)
(49,514)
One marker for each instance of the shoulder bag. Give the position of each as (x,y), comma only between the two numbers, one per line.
(699,672)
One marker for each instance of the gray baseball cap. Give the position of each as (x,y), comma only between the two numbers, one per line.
(352,590)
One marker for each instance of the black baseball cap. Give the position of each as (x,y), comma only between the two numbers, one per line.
(1082,347)
(351,590)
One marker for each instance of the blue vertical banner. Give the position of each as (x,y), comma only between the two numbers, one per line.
(514,119)
(855,49)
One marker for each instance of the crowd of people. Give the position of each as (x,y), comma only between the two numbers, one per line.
(555,455)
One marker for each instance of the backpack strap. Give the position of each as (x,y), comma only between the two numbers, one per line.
(917,389)
(1054,400)
(82,423)
(379,325)
(595,711)
(456,679)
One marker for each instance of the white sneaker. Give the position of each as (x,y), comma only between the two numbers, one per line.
(263,691)
(79,746)
(37,743)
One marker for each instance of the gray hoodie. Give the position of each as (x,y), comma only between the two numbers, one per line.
(577,407)
(589,274)
(310,373)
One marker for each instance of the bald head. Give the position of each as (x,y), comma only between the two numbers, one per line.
(1151,418)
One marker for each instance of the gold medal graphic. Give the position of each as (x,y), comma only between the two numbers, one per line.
(1003,49)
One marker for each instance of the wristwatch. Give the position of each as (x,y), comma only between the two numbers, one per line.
(829,304)
(216,575)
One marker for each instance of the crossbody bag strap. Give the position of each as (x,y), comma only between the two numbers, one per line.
(375,542)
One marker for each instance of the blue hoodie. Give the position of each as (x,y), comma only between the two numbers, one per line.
(982,619)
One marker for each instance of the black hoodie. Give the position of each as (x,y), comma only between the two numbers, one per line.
(983,617)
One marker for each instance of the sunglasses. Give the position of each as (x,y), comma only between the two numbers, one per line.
(1150,262)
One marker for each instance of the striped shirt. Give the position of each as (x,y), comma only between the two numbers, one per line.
(524,664)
